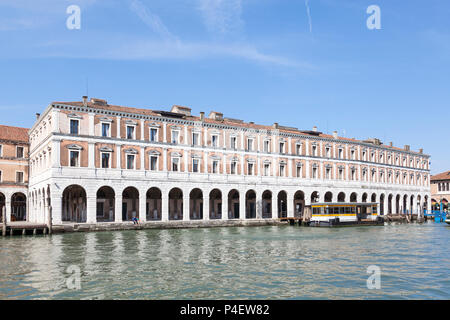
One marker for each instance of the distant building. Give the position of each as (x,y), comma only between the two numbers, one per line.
(440,190)
(14,172)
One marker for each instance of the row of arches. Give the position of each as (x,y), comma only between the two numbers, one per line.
(18,206)
(210,205)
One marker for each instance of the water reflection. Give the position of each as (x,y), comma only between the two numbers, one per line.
(235,263)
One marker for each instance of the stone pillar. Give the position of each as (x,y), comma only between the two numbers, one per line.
(164,206)
(56,149)
(242,205)
(274,206)
(205,206)
(118,157)
(55,120)
(118,127)
(8,208)
(91,155)
(290,205)
(142,129)
(308,170)
(165,132)
(186,205)
(224,206)
(258,205)
(118,208)
(165,159)
(142,205)
(142,154)
(56,209)
(91,124)
(91,208)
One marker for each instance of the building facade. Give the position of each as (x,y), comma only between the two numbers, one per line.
(95,162)
(440,191)
(13,172)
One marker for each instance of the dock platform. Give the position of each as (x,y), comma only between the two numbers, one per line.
(24,228)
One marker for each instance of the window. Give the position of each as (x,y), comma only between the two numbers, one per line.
(340,153)
(19,152)
(364,156)
(233,142)
(266,169)
(314,151)
(214,141)
(130,161)
(299,171)
(328,152)
(74,126)
(266,146)
(250,169)
(1,150)
(314,173)
(352,154)
(175,136)
(175,164)
(373,156)
(341,173)
(19,177)
(364,175)
(153,134)
(74,158)
(215,166)
(1,176)
(353,174)
(282,167)
(298,149)
(130,132)
(105,129)
(195,138)
(105,159)
(281,147)
(195,165)
(233,167)
(153,163)
(250,144)
(327,173)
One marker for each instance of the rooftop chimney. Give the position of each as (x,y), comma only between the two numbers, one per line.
(202,116)
(391,144)
(407,147)
(85,100)
(420,150)
(275,125)
(314,129)
(335,134)
(37,116)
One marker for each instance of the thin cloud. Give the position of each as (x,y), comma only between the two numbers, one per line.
(308,12)
(221,16)
(151,20)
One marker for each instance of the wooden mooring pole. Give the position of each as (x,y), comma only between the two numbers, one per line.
(4,221)
(49,222)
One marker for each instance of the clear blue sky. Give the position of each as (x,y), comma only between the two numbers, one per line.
(258,60)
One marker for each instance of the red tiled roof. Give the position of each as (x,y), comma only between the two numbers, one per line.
(441,176)
(13,134)
(208,120)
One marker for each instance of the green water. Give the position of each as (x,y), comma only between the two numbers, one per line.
(279,262)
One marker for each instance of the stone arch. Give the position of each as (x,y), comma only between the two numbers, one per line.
(397,204)
(73,204)
(373,198)
(315,196)
(130,204)
(233,204)
(250,204)
(382,200)
(2,205)
(282,204)
(405,203)
(328,197)
(175,204)
(267,204)
(341,197)
(299,203)
(353,197)
(215,204)
(153,204)
(18,207)
(364,197)
(196,204)
(106,199)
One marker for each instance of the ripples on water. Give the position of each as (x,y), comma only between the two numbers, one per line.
(279,262)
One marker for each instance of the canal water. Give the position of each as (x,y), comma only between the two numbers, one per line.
(271,262)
